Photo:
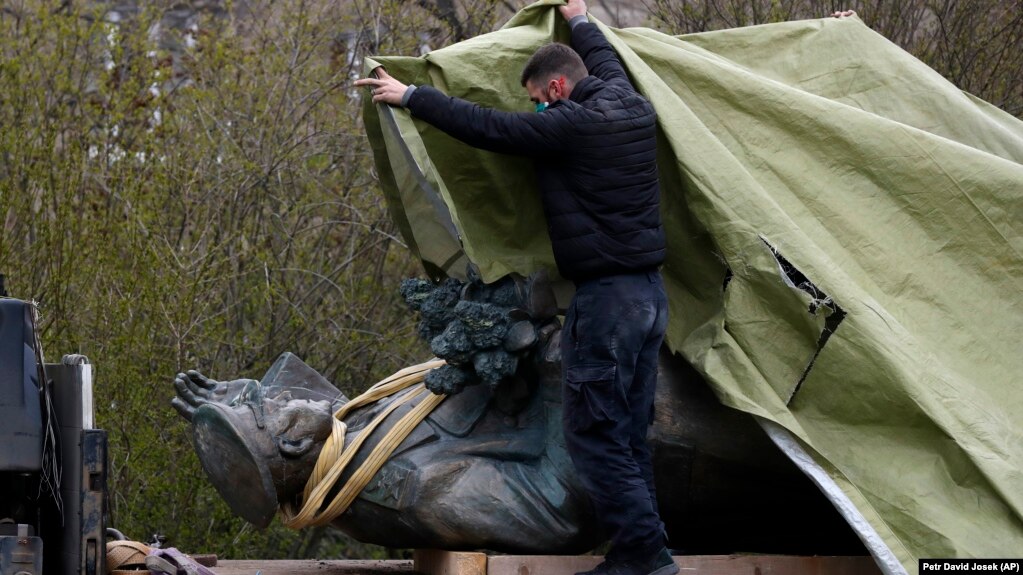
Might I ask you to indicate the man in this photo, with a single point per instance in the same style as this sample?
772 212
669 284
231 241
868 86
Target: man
594 147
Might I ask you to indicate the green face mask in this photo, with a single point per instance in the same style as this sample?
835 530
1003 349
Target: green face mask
541 106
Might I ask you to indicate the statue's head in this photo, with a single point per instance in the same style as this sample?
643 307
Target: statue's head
258 451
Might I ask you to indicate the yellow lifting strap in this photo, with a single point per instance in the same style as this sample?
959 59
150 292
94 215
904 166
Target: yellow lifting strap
336 456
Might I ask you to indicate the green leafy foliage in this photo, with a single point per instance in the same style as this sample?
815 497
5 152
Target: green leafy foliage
200 196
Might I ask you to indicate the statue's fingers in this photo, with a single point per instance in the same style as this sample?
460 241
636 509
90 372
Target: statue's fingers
196 387
182 408
183 392
187 393
201 380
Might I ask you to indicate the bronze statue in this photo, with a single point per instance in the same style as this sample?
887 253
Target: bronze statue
487 468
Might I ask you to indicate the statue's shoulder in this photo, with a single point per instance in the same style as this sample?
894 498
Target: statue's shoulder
459 413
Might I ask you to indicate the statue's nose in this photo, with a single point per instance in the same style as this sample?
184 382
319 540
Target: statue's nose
294 448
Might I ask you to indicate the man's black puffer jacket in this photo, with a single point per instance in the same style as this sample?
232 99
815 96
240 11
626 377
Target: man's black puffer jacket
595 160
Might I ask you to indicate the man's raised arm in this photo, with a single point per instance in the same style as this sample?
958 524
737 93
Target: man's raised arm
600 59
517 133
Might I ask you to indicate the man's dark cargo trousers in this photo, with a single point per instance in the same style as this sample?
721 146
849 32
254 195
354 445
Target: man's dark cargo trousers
609 345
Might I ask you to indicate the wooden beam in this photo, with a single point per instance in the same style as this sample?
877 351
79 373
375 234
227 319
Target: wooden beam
536 564
436 562
701 564
433 562
312 567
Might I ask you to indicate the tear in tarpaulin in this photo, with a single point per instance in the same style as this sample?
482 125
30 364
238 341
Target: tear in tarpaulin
820 302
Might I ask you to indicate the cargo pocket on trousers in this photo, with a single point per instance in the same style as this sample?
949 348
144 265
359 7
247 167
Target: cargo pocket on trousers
591 394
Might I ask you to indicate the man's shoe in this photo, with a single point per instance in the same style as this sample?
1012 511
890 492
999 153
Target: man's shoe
660 564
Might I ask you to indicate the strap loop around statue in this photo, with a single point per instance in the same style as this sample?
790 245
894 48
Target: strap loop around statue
335 456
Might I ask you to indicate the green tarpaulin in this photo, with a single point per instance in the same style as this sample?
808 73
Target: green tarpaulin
844 232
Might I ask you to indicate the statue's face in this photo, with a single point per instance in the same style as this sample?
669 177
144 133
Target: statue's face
298 426
276 440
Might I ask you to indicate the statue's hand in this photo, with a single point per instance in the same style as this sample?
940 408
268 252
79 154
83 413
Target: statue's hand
195 389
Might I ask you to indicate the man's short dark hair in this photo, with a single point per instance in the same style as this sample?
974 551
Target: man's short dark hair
551 61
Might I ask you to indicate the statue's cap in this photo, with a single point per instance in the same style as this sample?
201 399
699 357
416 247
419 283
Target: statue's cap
234 455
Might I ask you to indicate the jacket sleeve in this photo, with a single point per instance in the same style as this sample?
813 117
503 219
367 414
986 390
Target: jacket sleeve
518 133
600 59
